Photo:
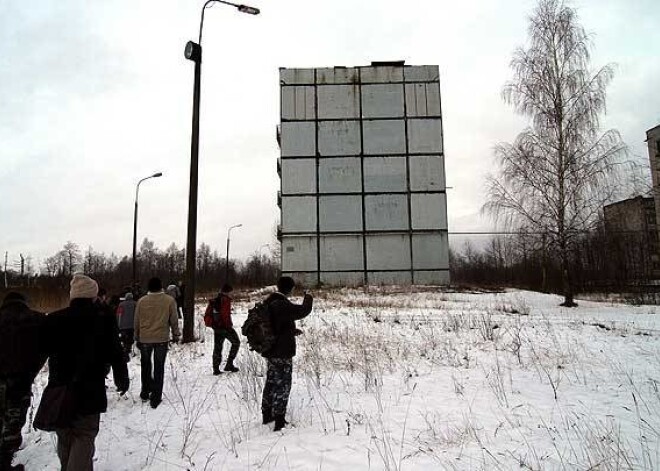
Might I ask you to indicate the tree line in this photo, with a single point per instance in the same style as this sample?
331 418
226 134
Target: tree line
114 273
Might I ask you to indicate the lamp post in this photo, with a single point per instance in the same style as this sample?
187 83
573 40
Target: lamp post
193 52
227 259
135 217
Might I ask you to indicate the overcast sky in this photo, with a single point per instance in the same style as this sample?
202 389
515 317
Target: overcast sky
96 95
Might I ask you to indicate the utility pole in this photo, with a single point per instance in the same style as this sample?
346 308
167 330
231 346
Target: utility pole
6 255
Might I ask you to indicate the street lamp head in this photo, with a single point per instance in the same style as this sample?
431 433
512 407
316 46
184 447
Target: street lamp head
249 10
193 51
156 175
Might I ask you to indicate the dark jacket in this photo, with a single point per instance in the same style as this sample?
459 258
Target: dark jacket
20 339
283 314
82 341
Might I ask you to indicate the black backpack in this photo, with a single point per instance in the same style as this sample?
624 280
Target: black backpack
258 328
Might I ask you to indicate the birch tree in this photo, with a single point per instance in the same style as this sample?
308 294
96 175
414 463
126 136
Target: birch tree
557 174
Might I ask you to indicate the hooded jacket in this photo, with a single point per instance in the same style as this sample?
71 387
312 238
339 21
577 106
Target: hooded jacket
81 341
283 316
21 338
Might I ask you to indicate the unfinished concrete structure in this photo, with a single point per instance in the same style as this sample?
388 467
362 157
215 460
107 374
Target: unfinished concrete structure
363 196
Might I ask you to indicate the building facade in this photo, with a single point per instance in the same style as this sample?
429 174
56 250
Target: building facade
363 195
653 142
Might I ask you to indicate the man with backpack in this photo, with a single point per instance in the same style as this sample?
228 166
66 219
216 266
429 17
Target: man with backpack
282 314
218 316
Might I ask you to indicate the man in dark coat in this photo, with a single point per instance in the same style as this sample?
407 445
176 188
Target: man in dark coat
125 321
20 361
283 314
82 340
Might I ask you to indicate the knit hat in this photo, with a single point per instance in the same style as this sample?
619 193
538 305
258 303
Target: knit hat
83 287
128 297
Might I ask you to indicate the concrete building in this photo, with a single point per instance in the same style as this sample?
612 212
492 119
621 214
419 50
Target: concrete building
363 195
653 142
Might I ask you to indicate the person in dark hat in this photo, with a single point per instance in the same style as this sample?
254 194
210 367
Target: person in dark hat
283 316
21 358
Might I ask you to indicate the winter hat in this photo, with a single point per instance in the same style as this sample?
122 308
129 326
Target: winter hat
285 284
128 297
83 287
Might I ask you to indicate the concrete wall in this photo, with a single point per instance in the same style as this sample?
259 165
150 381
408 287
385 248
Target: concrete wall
362 176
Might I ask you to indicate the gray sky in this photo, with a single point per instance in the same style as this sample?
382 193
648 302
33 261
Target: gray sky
96 95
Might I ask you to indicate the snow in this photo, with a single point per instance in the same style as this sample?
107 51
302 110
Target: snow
406 379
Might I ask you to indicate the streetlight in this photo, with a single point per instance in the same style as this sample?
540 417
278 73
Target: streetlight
193 52
227 259
135 215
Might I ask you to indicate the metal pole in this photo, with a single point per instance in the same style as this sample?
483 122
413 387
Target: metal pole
191 251
135 216
227 260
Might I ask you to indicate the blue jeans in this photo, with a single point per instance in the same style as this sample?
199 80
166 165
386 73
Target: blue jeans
152 385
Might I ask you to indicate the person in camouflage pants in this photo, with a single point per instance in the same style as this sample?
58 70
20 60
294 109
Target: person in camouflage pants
21 358
283 315
15 395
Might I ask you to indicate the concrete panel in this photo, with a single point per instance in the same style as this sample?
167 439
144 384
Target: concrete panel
429 211
388 252
433 278
339 101
298 214
421 73
386 212
384 137
385 174
340 213
296 76
342 253
337 75
303 280
299 254
422 99
424 135
298 139
298 176
427 173
342 278
340 175
430 251
298 103
339 138
390 278
382 101
381 74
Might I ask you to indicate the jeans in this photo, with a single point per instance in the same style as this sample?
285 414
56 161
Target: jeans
152 385
75 444
219 336
126 337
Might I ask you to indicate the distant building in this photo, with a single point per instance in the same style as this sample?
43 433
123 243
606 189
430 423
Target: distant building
363 195
653 141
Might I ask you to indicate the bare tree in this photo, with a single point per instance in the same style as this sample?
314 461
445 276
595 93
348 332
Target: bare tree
71 257
557 174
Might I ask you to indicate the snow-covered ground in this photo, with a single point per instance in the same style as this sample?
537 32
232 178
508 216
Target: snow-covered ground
407 380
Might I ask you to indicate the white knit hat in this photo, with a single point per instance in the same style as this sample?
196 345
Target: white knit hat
83 287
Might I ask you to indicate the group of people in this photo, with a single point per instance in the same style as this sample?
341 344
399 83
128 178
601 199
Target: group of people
86 340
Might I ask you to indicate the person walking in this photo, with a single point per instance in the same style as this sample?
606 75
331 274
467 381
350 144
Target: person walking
155 316
219 308
126 322
283 314
81 341
21 358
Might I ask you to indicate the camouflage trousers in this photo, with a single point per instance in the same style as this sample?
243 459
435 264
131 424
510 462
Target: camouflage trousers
278 386
15 395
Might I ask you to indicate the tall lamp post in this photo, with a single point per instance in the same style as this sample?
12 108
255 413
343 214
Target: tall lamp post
135 217
193 52
227 259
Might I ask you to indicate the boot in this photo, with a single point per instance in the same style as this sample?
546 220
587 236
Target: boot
216 371
279 423
231 368
268 417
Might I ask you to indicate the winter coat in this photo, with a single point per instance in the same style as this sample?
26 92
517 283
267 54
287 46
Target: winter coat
21 338
126 314
283 314
220 309
155 315
82 340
